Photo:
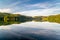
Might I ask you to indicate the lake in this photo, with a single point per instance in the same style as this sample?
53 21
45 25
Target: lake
30 31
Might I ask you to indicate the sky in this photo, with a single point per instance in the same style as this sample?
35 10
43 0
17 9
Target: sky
31 7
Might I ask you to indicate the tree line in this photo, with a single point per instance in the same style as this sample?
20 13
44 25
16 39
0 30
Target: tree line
17 17
9 18
50 18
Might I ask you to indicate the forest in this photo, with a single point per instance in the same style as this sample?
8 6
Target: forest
9 18
50 18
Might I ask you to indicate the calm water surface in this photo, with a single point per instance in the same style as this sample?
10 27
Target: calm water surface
30 31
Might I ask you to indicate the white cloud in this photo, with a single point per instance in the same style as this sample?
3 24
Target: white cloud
48 9
13 4
4 27
40 5
5 10
43 12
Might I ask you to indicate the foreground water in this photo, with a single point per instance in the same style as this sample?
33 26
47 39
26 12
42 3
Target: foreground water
30 31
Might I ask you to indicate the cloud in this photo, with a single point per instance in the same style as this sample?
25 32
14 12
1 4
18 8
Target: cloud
25 7
42 25
44 5
40 5
37 6
5 10
4 28
42 9
13 4
43 12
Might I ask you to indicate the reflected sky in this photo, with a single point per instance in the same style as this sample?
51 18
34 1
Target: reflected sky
31 31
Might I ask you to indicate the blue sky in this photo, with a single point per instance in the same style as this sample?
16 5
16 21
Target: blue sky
31 7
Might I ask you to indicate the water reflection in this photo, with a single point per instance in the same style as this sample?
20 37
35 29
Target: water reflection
9 22
30 31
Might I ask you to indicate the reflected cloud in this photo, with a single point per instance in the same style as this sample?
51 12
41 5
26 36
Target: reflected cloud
4 28
44 25
33 29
